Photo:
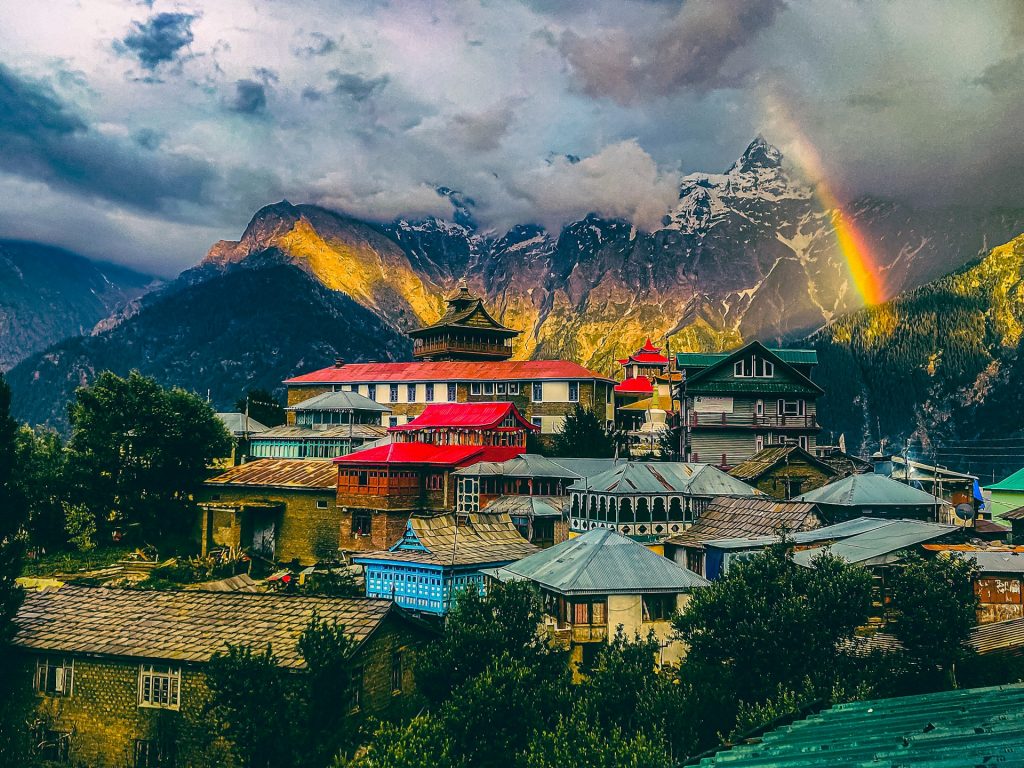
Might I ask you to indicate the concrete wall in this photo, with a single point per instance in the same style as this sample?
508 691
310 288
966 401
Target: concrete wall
627 610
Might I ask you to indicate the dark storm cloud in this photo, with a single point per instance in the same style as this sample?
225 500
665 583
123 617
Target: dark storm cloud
44 139
317 44
355 86
1006 76
249 98
690 51
158 39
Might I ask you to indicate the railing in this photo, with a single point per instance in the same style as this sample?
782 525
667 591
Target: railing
577 633
752 421
421 348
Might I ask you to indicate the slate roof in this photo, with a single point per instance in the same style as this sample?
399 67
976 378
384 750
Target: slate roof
727 517
466 310
465 416
529 506
486 539
869 490
602 562
235 423
494 370
300 474
428 454
339 401
186 626
964 727
1014 482
880 544
334 431
635 477
768 458
535 465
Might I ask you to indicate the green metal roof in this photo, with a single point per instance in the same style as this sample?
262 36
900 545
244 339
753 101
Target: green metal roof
966 727
660 477
1014 482
751 386
877 545
869 490
601 562
791 356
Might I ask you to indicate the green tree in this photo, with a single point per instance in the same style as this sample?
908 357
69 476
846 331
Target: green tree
576 742
424 742
326 689
263 407
583 435
41 460
934 609
138 452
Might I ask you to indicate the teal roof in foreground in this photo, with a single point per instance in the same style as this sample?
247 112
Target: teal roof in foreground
869 490
1014 482
601 562
972 727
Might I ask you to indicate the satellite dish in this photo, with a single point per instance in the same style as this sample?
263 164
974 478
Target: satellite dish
965 511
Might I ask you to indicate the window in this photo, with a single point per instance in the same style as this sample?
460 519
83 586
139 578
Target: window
55 676
159 686
435 481
452 393
321 503
428 392
500 389
754 367
759 408
393 394
410 393
804 442
538 392
363 477
151 754
791 407
590 613
488 387
574 391
658 607
371 391
361 523
392 421
51 745
396 672
474 388
538 422
513 388
355 693
759 443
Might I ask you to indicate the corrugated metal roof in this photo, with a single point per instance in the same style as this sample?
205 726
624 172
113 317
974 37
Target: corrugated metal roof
869 490
341 400
638 384
1014 482
535 465
181 625
361 431
730 518
635 477
602 562
791 356
464 416
998 637
236 423
964 727
497 370
835 532
874 546
415 453
1013 514
301 474
990 561
768 458
529 506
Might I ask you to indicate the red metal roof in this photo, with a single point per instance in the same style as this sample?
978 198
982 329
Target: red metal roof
639 384
648 347
427 454
464 416
648 357
500 370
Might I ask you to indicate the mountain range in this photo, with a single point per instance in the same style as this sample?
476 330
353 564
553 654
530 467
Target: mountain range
748 253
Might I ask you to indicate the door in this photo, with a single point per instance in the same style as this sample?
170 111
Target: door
263 527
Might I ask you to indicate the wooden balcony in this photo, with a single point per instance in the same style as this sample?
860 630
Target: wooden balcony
750 421
429 347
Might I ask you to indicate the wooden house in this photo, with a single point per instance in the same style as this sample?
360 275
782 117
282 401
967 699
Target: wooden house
597 582
466 331
784 471
738 403
439 555
119 674
541 520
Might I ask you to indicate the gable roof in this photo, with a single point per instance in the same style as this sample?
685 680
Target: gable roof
602 562
877 545
340 400
465 416
746 517
332 431
299 474
235 423
868 490
704 359
448 370
529 506
768 458
535 465
426 454
183 626
1014 482
701 381
466 310
827 533
665 477
481 538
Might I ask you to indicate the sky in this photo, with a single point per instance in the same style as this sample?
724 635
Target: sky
142 131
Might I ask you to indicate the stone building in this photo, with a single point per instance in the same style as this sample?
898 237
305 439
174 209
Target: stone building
119 674
784 471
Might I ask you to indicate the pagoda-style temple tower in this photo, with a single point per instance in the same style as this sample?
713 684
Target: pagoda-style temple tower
465 332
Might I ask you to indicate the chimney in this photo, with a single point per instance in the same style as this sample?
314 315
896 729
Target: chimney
882 464
339 362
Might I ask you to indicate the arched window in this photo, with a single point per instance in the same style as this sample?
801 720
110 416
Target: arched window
675 509
658 510
626 511
602 511
643 510
575 505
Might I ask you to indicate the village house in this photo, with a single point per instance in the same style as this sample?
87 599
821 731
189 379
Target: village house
874 495
242 429
595 583
324 426
784 471
1005 496
438 555
999 583
1015 517
119 674
649 501
379 489
541 520
738 403
282 510
464 357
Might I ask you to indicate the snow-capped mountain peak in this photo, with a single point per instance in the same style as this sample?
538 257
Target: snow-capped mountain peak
758 154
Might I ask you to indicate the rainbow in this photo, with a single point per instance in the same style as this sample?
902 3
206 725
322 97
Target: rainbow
860 261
